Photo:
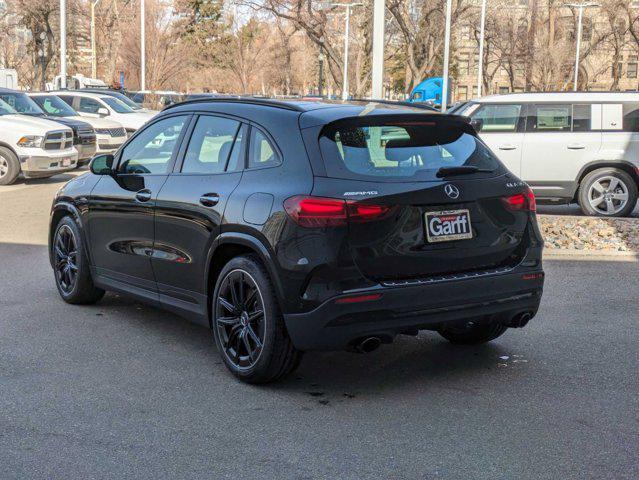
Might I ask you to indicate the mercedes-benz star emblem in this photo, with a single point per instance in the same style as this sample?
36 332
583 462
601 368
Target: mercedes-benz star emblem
451 190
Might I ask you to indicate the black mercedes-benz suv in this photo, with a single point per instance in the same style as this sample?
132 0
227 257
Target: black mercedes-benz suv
291 226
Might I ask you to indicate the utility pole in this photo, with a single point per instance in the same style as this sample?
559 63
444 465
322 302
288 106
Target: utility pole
94 55
378 49
348 7
445 86
63 43
581 7
482 33
142 47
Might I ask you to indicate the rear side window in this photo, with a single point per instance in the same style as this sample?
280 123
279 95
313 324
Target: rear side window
581 118
261 151
402 150
549 118
498 118
210 145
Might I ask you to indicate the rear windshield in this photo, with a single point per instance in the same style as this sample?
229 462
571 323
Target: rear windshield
401 150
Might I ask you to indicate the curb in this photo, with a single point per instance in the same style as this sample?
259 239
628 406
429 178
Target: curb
569 254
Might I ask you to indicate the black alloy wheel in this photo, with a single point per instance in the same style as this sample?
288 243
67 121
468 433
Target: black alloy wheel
240 319
65 254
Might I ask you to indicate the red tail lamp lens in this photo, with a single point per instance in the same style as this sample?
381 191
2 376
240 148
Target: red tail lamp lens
318 212
522 201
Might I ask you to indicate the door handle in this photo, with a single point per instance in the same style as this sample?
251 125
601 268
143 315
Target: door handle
209 199
576 146
143 195
507 147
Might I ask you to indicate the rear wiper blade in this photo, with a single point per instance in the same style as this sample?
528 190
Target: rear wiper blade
461 170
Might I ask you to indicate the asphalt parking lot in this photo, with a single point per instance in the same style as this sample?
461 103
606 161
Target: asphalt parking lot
122 390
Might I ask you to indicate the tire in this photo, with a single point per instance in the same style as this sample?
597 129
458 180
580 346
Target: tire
597 199
475 335
243 288
9 166
76 286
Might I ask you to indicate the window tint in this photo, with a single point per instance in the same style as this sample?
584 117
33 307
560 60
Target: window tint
414 150
262 153
631 117
549 118
581 118
21 103
151 150
498 118
54 106
210 145
67 99
117 105
89 105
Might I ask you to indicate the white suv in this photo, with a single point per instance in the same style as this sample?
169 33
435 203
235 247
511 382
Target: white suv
570 147
97 105
36 147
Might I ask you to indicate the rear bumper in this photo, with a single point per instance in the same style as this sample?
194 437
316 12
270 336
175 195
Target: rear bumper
498 297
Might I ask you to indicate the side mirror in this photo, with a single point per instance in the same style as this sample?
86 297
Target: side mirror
102 165
103 112
477 124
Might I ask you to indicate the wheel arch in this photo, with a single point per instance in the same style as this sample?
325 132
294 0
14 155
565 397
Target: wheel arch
624 165
59 211
9 147
232 244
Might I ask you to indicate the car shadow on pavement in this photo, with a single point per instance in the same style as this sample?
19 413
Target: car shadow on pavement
426 360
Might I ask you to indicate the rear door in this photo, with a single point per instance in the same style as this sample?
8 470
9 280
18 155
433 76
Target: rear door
503 131
560 140
190 209
405 221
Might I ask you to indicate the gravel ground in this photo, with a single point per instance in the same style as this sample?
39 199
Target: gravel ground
590 233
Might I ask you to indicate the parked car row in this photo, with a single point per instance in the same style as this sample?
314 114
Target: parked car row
43 134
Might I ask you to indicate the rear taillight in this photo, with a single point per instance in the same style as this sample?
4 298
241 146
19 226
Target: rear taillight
522 201
318 212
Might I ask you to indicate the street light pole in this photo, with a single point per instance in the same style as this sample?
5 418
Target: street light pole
142 47
445 85
63 43
378 49
482 32
581 7
348 7
94 55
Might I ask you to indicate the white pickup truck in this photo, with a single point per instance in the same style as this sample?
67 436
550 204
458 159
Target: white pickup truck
35 147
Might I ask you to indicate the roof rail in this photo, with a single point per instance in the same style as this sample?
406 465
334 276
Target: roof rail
421 106
268 102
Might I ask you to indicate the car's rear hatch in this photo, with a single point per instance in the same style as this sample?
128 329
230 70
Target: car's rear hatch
407 218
